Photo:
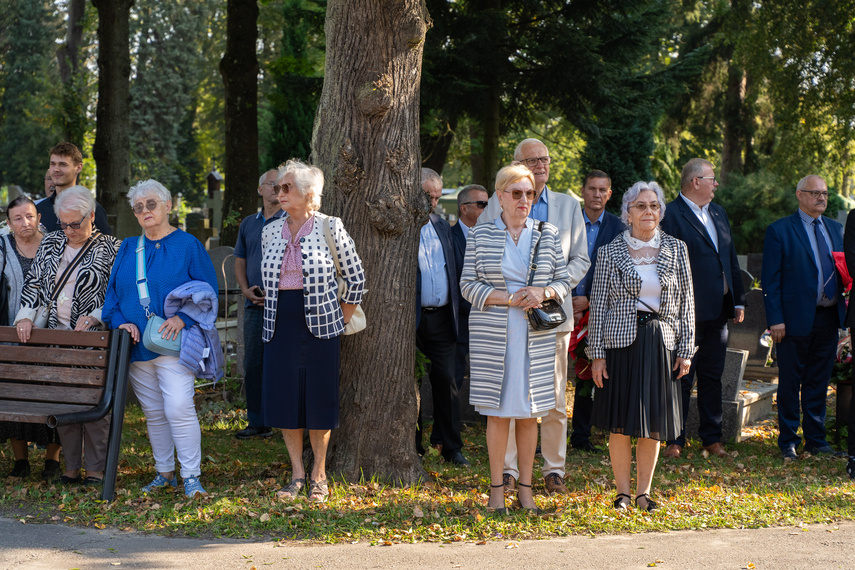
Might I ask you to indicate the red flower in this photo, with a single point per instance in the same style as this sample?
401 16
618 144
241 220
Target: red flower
840 262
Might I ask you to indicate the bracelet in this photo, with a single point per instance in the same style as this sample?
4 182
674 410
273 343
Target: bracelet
510 298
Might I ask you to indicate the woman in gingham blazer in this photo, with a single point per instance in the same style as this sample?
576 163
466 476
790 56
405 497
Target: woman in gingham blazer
303 321
641 331
512 371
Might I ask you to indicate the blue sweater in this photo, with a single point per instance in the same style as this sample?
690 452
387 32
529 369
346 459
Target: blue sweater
179 259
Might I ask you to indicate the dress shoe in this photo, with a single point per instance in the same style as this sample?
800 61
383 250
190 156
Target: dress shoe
254 431
587 446
822 450
554 484
510 483
789 454
457 458
716 449
673 451
52 470
850 467
21 469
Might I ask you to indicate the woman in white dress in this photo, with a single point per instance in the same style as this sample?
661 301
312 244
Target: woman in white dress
512 366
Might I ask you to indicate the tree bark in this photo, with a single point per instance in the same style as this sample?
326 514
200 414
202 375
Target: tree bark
73 82
366 141
239 68
111 150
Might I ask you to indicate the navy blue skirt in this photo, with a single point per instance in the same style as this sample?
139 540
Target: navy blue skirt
300 381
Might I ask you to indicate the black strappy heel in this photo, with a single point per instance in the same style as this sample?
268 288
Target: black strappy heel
651 504
619 504
532 510
497 510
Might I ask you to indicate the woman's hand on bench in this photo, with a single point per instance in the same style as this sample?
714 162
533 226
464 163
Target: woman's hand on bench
132 329
24 327
86 322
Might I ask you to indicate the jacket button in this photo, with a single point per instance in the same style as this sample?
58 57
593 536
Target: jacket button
302 239
305 256
305 274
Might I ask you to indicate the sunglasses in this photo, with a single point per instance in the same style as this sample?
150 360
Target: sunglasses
149 205
73 225
284 188
480 203
518 194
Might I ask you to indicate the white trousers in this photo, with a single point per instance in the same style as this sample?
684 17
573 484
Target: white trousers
165 390
553 426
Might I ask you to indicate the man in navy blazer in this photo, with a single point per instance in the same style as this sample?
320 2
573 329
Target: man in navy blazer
601 228
803 295
437 306
471 201
719 296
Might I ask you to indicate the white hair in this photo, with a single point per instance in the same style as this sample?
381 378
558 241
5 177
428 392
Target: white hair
518 150
263 176
75 199
308 181
431 175
803 182
631 196
147 188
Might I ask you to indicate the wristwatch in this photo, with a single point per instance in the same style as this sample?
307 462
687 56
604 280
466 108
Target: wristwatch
547 293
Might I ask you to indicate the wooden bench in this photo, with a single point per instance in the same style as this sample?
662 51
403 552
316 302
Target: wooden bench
65 377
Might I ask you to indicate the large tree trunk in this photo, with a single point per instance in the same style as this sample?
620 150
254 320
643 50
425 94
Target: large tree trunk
239 68
112 150
73 82
366 141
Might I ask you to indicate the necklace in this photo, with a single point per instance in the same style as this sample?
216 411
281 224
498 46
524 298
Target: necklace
516 238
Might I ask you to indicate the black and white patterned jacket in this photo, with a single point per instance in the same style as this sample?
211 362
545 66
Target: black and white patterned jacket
323 311
89 289
615 292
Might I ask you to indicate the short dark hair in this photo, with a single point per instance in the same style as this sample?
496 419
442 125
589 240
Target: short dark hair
67 149
596 174
463 195
21 200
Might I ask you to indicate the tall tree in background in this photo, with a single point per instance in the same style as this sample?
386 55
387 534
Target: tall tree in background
27 98
366 142
239 68
112 144
74 77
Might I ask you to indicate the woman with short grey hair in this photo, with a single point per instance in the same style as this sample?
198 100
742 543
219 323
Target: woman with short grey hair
68 279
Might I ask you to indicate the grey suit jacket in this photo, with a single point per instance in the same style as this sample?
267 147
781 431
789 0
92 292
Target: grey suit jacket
565 213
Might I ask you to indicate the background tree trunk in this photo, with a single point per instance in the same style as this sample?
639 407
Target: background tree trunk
112 147
73 82
366 140
239 68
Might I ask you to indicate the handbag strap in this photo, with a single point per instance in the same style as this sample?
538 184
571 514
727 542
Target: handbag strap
534 256
142 282
638 300
331 243
66 275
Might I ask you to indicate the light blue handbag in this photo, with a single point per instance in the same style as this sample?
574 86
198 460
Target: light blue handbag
152 339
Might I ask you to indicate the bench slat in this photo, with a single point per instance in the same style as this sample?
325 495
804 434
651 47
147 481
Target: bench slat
99 339
30 393
35 412
52 374
52 355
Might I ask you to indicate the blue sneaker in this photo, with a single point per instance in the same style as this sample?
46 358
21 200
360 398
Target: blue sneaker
160 481
193 487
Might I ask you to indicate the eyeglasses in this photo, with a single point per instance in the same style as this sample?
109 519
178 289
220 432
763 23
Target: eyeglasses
532 162
284 188
480 203
706 178
271 184
816 193
641 207
518 194
149 205
73 225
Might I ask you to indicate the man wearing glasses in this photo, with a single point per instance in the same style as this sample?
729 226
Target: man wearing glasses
471 201
803 296
66 162
719 296
564 212
248 275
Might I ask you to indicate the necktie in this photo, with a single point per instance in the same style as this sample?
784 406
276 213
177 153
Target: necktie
827 262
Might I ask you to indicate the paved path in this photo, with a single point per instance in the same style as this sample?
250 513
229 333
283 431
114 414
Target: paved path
37 546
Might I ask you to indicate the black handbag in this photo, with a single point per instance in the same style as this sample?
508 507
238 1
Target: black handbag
551 313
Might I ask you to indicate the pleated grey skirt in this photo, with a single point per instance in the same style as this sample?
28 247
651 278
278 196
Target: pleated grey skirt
641 397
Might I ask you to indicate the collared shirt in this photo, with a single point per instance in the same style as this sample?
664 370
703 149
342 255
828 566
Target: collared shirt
540 209
435 291
592 230
807 220
464 228
703 214
248 245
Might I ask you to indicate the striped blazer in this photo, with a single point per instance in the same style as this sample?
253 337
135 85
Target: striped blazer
488 324
615 293
320 290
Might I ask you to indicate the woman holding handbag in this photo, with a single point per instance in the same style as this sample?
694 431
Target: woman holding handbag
513 266
65 290
165 259
641 339
303 321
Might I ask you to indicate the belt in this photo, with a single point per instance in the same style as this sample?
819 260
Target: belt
432 309
643 316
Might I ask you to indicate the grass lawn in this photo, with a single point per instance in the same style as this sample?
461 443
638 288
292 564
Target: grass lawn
751 489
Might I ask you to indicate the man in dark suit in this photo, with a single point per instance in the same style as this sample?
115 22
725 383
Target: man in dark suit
719 296
601 228
849 252
471 201
437 305
803 295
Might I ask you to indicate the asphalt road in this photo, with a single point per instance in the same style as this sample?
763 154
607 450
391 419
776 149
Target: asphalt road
818 547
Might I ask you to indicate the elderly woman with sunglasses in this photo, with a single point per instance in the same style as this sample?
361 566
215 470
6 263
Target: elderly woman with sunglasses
641 338
512 367
68 279
163 384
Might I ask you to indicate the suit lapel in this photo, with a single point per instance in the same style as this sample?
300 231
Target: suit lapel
693 220
799 229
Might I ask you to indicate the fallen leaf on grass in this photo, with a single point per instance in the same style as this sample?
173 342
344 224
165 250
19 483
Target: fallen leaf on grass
512 545
418 513
264 517
481 543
